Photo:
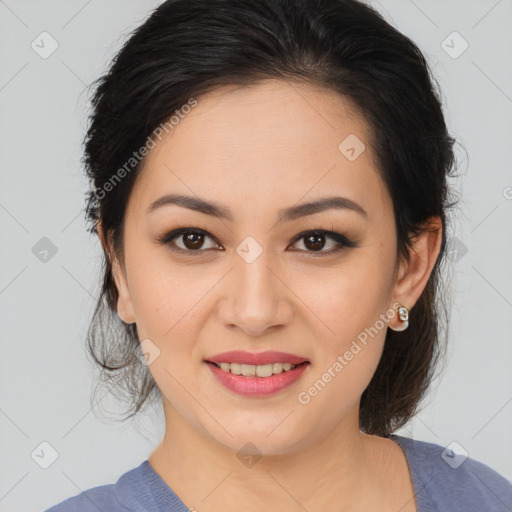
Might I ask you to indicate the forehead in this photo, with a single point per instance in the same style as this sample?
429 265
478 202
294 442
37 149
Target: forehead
269 144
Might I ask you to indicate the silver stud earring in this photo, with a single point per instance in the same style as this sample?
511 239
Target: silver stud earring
403 315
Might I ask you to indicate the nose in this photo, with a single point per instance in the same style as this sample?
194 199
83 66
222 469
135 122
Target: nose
256 297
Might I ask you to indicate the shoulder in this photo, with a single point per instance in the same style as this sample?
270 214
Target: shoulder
111 497
94 499
445 480
140 488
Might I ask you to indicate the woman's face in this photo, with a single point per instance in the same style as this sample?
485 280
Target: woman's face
251 283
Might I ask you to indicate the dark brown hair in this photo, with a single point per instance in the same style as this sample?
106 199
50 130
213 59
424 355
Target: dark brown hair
185 49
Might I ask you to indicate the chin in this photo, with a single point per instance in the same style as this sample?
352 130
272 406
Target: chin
259 440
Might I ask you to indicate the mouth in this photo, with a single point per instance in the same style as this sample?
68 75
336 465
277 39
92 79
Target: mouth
251 370
258 374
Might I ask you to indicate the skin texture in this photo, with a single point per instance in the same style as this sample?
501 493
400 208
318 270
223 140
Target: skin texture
256 150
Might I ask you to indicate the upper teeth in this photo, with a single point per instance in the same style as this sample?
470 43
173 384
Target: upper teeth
259 370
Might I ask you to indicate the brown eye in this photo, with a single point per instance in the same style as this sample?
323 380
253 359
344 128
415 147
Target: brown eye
316 241
188 240
192 240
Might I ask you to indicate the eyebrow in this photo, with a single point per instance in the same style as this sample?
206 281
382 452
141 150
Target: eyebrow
294 212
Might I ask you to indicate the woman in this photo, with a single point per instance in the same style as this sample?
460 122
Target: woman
269 185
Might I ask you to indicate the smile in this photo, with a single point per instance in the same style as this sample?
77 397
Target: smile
260 370
257 380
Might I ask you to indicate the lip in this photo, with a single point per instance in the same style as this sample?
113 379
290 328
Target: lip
256 358
257 386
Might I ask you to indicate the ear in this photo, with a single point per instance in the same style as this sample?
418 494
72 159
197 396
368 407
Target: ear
413 275
124 301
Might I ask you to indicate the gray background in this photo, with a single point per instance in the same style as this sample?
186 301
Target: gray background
46 305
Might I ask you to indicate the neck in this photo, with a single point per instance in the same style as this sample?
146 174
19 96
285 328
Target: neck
207 475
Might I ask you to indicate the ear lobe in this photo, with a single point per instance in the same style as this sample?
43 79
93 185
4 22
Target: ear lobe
124 302
414 274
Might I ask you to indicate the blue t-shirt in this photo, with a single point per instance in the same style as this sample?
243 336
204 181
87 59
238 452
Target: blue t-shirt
442 483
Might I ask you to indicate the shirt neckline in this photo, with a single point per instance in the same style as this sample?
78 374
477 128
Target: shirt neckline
423 503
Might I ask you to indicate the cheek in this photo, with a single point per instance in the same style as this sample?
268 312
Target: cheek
349 347
346 300
353 305
164 296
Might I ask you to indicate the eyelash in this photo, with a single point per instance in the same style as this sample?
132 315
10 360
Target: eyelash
342 241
